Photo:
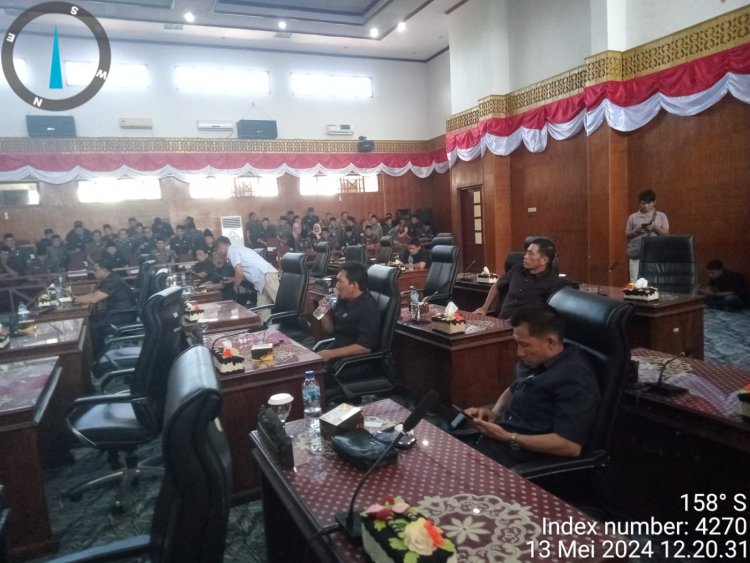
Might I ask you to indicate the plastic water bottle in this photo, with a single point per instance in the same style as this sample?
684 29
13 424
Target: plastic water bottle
411 262
333 297
311 403
414 296
23 311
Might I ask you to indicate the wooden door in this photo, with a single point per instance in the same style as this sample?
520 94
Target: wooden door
472 249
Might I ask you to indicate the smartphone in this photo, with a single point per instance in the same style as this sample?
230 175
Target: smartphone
460 419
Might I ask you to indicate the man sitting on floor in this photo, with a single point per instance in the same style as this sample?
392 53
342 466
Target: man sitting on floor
534 281
550 407
726 289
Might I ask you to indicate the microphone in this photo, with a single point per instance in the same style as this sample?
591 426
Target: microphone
666 389
466 270
349 521
613 265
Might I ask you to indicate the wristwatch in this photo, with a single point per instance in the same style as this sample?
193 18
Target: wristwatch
513 443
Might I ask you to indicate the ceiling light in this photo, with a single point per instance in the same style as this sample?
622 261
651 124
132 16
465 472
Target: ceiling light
374 32
189 17
401 26
282 24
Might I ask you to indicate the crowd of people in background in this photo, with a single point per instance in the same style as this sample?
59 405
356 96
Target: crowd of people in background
138 241
301 232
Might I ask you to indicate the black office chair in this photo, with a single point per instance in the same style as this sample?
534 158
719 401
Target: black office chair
512 259
122 349
4 517
443 239
355 253
599 326
373 373
286 313
189 523
438 287
320 263
385 252
121 422
668 263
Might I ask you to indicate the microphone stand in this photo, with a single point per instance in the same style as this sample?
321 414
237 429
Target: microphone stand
349 521
666 389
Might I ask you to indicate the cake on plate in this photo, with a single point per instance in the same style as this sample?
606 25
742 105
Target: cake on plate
394 532
193 312
640 291
449 324
228 360
485 276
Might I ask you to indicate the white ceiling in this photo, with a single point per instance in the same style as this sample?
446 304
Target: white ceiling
338 27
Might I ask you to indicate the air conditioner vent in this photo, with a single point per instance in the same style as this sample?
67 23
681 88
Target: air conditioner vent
231 227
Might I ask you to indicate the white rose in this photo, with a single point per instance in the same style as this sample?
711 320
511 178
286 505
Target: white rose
417 539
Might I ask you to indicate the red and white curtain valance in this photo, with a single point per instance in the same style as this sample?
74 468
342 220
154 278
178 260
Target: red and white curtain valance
686 89
60 168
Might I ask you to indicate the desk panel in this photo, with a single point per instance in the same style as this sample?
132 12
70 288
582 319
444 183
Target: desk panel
465 369
30 412
244 393
450 482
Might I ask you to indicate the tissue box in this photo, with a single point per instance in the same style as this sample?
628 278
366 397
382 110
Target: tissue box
442 323
343 418
262 353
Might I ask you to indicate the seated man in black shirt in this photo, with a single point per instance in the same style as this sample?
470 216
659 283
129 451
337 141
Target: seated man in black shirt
355 320
726 289
114 254
112 294
551 406
415 256
534 281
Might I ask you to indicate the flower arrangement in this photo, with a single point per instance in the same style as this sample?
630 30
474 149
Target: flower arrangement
413 533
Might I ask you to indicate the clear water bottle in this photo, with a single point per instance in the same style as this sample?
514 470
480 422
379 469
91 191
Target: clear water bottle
311 403
410 261
333 297
23 312
414 296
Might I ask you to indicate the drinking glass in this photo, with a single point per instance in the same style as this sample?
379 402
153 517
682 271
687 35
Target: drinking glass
281 403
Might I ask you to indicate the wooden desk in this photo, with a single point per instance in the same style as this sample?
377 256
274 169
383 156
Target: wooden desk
447 480
30 411
465 369
244 393
61 312
695 442
468 293
225 316
673 324
208 296
68 339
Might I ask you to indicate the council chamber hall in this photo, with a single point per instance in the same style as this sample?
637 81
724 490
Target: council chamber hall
374 280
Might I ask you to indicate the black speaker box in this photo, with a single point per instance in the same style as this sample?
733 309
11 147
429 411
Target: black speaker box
256 129
366 146
51 125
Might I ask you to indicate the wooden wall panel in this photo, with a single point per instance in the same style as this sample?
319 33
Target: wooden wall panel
700 169
555 183
60 207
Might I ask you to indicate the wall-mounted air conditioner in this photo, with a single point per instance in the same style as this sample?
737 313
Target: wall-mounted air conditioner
204 125
231 227
136 123
339 129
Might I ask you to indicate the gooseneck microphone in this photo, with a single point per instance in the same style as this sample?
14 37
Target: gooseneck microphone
349 521
667 389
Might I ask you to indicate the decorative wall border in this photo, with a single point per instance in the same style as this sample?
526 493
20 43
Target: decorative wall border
703 39
11 145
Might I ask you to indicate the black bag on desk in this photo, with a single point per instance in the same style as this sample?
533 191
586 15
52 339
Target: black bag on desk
361 449
274 437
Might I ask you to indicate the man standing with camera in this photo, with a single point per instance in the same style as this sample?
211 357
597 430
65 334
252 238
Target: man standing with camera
646 222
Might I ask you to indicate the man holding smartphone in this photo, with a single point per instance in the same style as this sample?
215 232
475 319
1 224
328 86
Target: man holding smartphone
550 407
646 222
